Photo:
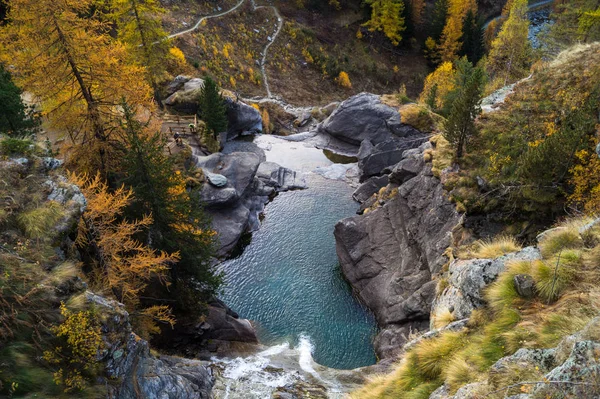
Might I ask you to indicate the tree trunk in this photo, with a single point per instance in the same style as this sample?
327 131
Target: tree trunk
155 89
93 112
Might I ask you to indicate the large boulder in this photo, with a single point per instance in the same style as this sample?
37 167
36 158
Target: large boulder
410 166
185 98
242 119
390 254
381 158
229 223
134 371
239 169
280 178
364 116
183 93
370 187
240 184
176 84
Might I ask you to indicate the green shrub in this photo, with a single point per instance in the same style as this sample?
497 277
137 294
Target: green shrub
14 146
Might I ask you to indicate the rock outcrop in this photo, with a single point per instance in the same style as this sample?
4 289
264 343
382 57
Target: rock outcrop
374 129
390 254
128 360
242 119
570 369
249 183
365 117
468 278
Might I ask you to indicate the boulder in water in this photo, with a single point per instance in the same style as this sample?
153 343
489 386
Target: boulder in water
278 177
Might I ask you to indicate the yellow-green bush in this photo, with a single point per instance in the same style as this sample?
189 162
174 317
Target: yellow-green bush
76 355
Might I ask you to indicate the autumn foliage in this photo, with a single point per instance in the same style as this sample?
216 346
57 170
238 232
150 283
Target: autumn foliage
69 61
120 262
386 17
450 42
77 353
344 80
437 85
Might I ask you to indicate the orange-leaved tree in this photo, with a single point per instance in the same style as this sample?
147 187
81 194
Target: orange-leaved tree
119 261
65 56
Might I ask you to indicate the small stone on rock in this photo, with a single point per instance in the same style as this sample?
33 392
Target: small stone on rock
216 179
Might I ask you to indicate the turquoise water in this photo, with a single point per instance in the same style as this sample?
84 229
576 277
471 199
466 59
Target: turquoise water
288 279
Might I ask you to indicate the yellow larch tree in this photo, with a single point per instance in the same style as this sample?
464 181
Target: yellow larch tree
511 52
386 17
66 58
437 85
450 44
140 29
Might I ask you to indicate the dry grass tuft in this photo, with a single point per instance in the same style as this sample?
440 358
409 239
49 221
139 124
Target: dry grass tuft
442 319
443 154
499 246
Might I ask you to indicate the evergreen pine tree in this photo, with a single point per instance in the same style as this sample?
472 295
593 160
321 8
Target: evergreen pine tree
431 97
472 38
212 108
15 118
463 105
438 20
179 224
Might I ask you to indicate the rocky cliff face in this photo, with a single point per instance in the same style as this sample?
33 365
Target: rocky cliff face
391 253
136 371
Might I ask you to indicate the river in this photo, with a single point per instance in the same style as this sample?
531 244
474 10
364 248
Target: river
287 280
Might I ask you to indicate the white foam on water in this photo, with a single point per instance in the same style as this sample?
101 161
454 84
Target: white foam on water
305 359
251 377
238 368
275 350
